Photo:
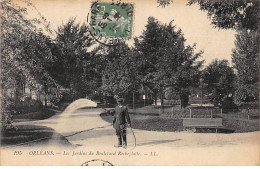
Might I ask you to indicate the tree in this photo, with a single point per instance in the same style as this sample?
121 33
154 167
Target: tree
242 16
246 61
24 50
218 79
228 14
165 60
120 71
25 53
146 48
72 61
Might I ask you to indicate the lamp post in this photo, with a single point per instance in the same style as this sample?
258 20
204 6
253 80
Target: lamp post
144 99
201 83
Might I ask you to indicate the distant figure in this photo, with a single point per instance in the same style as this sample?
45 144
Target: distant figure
121 118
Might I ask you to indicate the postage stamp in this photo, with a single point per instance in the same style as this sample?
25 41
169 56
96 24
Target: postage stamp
110 20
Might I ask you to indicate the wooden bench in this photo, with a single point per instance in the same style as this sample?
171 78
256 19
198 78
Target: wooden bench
203 123
253 115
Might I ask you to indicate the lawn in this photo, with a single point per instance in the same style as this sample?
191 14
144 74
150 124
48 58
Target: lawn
151 118
149 122
41 114
28 133
239 122
20 134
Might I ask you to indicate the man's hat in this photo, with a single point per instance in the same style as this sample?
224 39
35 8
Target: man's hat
120 100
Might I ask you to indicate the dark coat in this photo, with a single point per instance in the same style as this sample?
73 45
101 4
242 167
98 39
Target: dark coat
121 117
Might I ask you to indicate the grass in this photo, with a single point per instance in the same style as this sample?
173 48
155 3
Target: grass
28 133
42 114
149 118
177 112
239 122
149 122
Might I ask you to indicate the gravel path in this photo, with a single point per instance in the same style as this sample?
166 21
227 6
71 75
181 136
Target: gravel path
172 148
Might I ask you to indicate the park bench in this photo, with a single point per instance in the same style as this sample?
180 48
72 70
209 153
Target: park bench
253 114
203 123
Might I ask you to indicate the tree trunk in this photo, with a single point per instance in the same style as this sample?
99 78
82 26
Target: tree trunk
133 100
105 99
162 103
184 98
125 99
155 98
46 93
180 99
45 100
30 93
181 102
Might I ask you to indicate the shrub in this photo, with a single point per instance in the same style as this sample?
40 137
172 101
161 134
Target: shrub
26 106
66 96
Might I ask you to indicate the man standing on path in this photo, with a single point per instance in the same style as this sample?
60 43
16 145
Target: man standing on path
121 118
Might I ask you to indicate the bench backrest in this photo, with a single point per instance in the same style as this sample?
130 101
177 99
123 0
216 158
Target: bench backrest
196 122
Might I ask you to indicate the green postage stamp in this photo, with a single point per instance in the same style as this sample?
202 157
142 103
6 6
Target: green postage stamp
111 20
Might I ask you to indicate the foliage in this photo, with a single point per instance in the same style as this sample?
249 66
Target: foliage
21 44
165 61
218 79
25 106
25 52
228 14
72 63
232 14
164 3
24 47
159 60
243 16
246 61
120 72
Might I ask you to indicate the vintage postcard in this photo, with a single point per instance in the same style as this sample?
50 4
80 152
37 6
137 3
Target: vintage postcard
130 83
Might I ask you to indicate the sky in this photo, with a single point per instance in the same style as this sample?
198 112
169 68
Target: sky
195 25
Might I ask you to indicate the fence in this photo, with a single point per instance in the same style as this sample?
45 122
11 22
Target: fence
244 113
194 113
204 112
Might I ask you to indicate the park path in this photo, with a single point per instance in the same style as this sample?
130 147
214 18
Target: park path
181 145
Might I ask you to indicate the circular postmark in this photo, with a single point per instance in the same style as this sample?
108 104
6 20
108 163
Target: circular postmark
111 22
97 162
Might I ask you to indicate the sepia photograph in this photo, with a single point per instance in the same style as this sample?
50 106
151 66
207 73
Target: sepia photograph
130 83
